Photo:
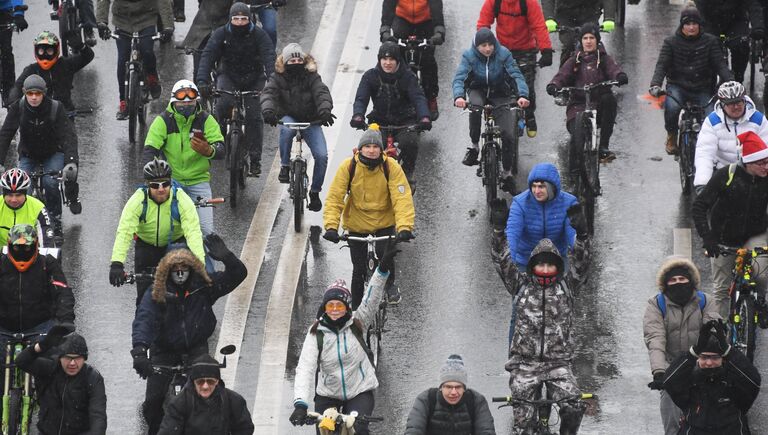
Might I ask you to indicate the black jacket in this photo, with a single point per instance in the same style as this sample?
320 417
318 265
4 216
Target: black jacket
397 97
41 133
691 63
715 403
736 211
224 413
30 298
69 405
58 79
301 96
246 59
719 15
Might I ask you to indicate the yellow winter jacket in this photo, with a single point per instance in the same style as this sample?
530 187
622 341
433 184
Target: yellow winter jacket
373 203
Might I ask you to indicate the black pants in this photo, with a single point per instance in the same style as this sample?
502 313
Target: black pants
157 384
606 118
409 149
503 119
147 49
7 64
363 403
358 251
87 17
526 61
254 124
402 29
737 33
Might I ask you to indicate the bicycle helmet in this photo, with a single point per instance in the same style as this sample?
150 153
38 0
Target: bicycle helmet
14 180
184 90
157 169
22 246
47 49
731 92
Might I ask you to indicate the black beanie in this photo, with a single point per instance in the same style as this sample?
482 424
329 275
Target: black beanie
590 28
389 49
484 35
690 14
239 9
205 366
677 271
338 291
74 344
713 346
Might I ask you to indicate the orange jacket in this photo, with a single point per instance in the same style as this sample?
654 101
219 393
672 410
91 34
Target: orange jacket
514 31
413 11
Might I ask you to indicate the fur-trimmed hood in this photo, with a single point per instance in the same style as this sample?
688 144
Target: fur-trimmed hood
677 261
309 64
176 256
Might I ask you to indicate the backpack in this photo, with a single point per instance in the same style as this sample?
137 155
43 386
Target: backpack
662 303
353 165
469 399
523 9
175 214
356 331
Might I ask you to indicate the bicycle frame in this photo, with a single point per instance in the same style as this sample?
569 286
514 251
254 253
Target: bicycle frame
742 317
542 408
18 380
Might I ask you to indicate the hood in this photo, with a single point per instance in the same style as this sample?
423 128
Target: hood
545 172
309 64
750 110
176 256
677 261
546 247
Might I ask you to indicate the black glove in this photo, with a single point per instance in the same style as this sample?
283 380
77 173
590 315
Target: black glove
216 247
622 78
104 32
21 23
385 34
331 235
405 236
704 334
299 415
327 117
658 381
205 90
656 91
278 3
757 33
711 247
721 334
578 221
55 336
270 117
425 124
141 362
387 260
437 39
546 57
357 122
499 213
552 89
116 274
166 35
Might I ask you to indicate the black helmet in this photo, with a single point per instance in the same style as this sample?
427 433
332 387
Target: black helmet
157 169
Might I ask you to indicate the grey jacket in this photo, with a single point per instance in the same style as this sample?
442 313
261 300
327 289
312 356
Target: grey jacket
133 16
453 417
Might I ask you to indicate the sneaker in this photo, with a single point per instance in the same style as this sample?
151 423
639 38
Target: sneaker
122 112
90 38
314 201
179 16
76 207
508 184
434 113
254 169
671 145
530 126
393 295
153 83
470 158
606 155
58 233
284 174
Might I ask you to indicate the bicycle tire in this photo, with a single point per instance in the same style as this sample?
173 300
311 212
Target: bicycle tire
299 192
514 143
134 94
687 149
14 411
64 30
490 171
746 326
589 167
621 12
233 146
73 18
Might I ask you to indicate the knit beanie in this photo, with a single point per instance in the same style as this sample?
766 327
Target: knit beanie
371 136
690 14
677 271
293 51
592 28
453 371
239 9
338 291
484 35
35 83
205 366
389 49
74 344
713 346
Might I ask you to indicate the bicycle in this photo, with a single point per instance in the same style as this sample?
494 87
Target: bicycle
68 16
392 147
540 424
756 56
332 422
234 141
298 187
690 120
37 189
584 155
412 50
19 398
136 92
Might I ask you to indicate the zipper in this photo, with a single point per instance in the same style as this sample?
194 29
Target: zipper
20 305
341 368
184 323
157 225
543 322
544 219
487 78
61 422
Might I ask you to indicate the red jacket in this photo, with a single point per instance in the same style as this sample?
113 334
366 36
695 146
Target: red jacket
514 31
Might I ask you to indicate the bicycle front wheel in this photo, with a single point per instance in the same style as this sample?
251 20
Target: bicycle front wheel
589 167
299 191
64 30
514 143
235 164
687 148
134 95
490 171
14 411
745 323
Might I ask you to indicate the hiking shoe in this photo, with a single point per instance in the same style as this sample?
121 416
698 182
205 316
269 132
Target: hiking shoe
434 113
254 169
606 155
671 145
122 111
508 184
393 295
314 201
530 126
179 16
470 158
153 83
284 175
76 207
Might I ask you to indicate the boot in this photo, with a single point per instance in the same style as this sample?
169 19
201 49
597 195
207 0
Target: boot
254 169
606 155
153 83
671 145
284 175
762 312
530 126
470 158
314 201
434 113
122 111
393 295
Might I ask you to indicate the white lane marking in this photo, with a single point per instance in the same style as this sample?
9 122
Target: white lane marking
682 242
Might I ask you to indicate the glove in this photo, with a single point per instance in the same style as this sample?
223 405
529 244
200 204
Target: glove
216 247
55 336
141 362
546 57
278 3
205 90
551 25
551 89
405 236
270 117
439 37
21 22
70 172
166 35
499 214
104 32
327 117
385 34
357 122
721 334
425 124
116 274
299 414
704 333
331 235
658 380
656 91
387 260
757 33
578 221
711 247
608 26
622 78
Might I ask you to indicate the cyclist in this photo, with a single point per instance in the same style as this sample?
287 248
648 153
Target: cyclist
70 392
206 407
731 19
591 64
717 144
87 21
338 325
158 216
730 211
424 19
18 208
520 28
714 385
296 93
189 138
9 16
175 319
690 60
487 69
246 57
452 408
135 16
397 100
57 71
671 324
47 140
574 14
372 195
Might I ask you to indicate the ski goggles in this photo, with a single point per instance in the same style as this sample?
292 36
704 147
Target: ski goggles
185 93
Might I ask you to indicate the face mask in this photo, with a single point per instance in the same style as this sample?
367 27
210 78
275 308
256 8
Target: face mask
186 111
179 276
240 30
370 163
294 68
679 293
713 374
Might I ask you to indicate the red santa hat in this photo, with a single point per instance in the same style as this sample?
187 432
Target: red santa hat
752 147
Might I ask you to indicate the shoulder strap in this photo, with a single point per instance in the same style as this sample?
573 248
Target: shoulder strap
431 403
170 123
175 214
662 303
731 173
199 122
144 205
319 338
385 167
470 401
702 299
523 9
497 8
352 166
358 333
54 110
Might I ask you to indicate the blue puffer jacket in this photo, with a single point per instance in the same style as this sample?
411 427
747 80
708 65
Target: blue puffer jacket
494 74
8 5
530 221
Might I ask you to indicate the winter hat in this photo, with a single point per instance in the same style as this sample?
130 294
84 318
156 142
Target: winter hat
590 28
74 344
205 366
752 147
239 9
338 291
484 35
453 371
293 51
389 49
690 14
713 346
371 136
678 271
35 83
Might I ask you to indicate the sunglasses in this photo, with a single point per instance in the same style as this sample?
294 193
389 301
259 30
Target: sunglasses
710 357
210 381
335 306
240 18
185 93
158 184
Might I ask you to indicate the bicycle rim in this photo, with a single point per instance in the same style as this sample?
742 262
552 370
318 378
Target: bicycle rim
514 143
490 171
233 140
299 193
133 105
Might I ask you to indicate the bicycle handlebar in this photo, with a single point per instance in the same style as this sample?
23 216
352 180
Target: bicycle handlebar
189 50
688 103
236 94
117 34
414 43
757 251
511 400
314 418
41 174
577 29
131 277
300 125
370 238
587 88
20 336
480 107
208 202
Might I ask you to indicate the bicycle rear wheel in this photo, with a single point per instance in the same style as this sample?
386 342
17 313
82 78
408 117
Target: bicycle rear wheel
134 95
514 143
235 163
687 148
745 323
299 191
64 30
490 171
589 167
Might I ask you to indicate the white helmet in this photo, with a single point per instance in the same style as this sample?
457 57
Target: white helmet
731 92
184 90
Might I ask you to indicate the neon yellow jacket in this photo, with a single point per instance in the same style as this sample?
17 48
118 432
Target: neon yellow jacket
33 212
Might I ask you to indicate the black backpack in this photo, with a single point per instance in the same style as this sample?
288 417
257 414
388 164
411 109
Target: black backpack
523 9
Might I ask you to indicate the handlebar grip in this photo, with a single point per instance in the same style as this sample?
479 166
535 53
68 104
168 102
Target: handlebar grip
501 399
216 201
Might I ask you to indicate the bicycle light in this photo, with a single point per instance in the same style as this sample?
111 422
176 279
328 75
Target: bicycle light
696 127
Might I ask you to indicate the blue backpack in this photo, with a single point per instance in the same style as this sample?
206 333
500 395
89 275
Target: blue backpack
662 303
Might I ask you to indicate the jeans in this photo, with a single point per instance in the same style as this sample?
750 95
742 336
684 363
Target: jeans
205 213
363 403
52 195
358 251
315 140
672 108
147 50
268 18
254 124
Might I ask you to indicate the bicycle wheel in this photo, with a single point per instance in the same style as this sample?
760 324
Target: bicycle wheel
514 143
299 191
233 147
687 148
745 323
134 95
490 171
621 12
64 30
589 167
373 337
14 411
